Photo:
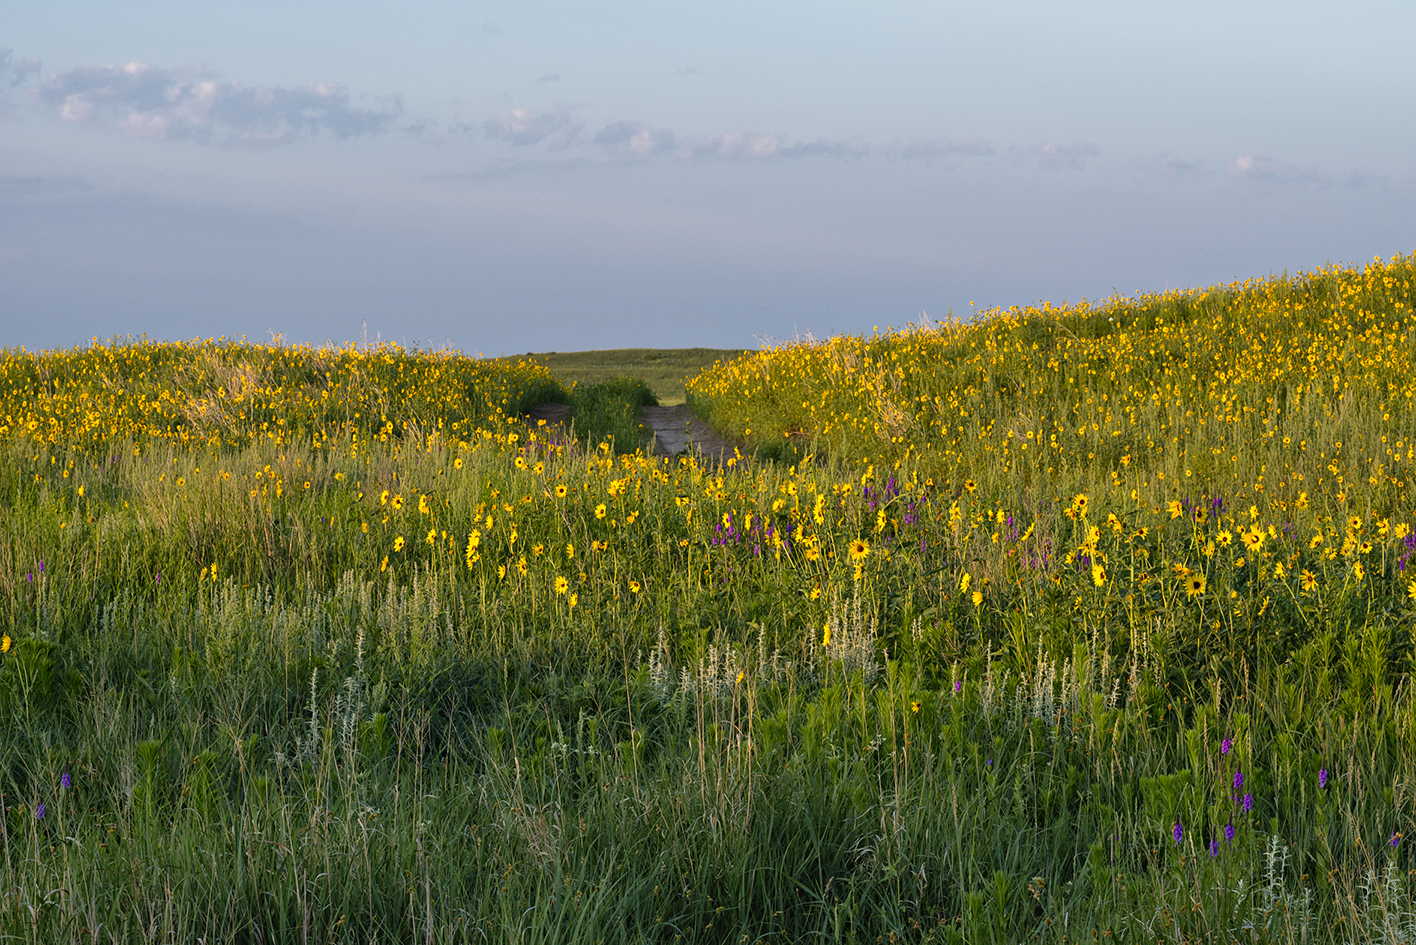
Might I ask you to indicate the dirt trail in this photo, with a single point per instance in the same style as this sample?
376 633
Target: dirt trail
673 430
678 429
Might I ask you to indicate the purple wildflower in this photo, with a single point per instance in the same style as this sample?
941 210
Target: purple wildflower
1238 780
1248 803
1322 778
1396 840
64 781
1228 832
1214 848
1178 832
39 811
1224 746
41 567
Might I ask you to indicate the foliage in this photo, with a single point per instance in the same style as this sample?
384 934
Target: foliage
464 680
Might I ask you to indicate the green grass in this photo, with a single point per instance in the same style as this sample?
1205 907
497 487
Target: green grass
332 688
663 369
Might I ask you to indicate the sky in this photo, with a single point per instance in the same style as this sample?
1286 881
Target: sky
506 177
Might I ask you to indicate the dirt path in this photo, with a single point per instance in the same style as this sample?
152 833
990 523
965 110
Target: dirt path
674 430
678 429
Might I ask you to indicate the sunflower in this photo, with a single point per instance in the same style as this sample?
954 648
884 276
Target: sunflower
1195 584
397 502
1254 539
562 585
560 490
1080 503
970 485
398 543
1310 582
914 707
600 510
977 598
1098 575
859 549
1355 523
634 587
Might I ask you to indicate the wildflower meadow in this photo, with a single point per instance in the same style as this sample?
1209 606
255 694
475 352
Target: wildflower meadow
1089 623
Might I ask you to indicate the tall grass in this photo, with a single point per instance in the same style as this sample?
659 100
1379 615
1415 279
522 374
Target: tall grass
475 683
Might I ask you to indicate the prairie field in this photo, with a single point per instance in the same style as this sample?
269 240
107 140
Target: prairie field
1087 623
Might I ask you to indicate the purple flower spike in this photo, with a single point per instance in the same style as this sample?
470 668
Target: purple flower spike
1248 803
1178 832
41 567
958 686
1214 849
1224 746
64 781
39 811
1228 832
1322 778
159 577
1238 780
1395 840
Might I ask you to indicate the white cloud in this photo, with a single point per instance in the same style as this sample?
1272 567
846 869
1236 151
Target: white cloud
145 101
635 139
1052 156
1261 169
523 126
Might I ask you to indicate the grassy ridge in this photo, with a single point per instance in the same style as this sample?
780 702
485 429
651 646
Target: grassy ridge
474 684
1246 388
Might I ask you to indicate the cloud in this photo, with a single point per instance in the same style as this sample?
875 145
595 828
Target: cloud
935 148
1360 181
848 148
523 126
145 101
733 146
635 139
1055 157
549 77
1164 166
1260 169
16 72
13 74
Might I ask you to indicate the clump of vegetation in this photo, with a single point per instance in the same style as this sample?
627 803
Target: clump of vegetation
609 412
1138 668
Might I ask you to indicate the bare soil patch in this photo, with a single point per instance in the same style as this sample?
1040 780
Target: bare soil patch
677 430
